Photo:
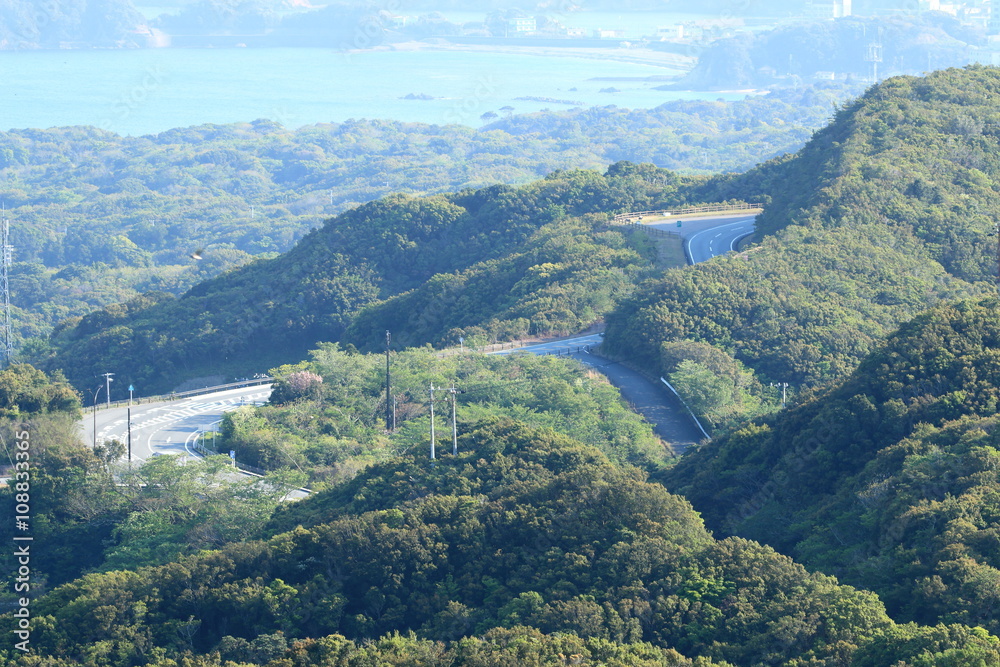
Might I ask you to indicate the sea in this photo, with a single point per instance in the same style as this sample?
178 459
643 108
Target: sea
147 91
139 92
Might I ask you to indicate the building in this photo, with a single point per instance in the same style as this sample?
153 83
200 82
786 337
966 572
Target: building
601 33
988 55
833 9
993 20
397 21
670 33
521 24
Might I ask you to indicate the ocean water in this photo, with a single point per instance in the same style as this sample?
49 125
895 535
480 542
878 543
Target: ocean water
136 92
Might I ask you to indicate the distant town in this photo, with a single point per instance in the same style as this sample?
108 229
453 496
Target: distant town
346 28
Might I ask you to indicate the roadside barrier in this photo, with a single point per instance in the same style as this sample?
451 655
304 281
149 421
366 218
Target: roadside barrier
636 217
178 395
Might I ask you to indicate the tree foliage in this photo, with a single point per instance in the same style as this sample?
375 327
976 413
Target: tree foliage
884 212
524 537
98 219
273 310
338 426
887 479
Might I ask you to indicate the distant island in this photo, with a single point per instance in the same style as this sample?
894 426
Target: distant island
417 96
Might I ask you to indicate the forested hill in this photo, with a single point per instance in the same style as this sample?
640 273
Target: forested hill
918 155
528 548
30 24
98 219
883 213
888 480
273 311
789 53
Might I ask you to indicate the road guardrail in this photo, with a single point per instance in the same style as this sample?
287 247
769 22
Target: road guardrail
178 395
635 217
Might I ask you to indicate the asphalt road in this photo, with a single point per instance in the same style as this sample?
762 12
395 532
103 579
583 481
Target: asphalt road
704 238
168 427
560 347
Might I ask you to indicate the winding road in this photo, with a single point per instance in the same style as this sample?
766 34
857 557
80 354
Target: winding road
704 238
170 427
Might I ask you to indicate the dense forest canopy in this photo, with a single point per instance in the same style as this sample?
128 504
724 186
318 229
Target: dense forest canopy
272 311
98 219
553 536
525 534
884 212
887 479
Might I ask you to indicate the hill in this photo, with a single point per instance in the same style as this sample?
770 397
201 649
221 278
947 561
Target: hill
272 311
792 53
883 213
70 24
526 536
887 479
98 219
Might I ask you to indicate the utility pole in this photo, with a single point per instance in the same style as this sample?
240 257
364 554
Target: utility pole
874 55
129 417
8 257
784 386
107 377
389 421
95 416
454 423
432 422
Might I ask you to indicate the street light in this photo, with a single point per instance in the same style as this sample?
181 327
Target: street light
107 377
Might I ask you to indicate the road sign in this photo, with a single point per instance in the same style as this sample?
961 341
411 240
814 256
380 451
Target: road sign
232 453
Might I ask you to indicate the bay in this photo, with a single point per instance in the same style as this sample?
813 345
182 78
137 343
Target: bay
136 92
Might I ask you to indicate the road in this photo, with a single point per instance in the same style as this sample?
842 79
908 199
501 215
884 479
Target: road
168 427
560 347
705 238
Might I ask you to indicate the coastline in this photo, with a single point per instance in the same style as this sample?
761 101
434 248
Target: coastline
679 65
